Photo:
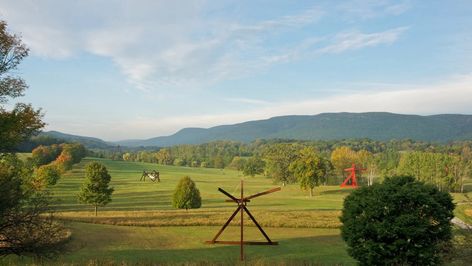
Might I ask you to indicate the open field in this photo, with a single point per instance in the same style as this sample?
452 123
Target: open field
306 228
149 203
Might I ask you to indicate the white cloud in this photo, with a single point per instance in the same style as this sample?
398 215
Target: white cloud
162 45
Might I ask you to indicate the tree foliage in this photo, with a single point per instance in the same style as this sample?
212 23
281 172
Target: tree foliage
27 226
186 195
279 157
399 222
343 157
46 175
253 166
22 121
95 190
42 155
445 171
310 169
381 158
237 163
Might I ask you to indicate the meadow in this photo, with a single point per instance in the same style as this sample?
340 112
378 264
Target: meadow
140 226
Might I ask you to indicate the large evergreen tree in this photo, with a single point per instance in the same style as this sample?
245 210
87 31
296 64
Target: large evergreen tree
186 195
95 189
399 222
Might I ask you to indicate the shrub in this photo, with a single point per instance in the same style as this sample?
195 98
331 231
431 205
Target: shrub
186 195
399 222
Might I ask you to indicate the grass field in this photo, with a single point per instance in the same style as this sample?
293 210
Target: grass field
155 233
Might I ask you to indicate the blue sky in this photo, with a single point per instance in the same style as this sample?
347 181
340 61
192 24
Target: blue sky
140 69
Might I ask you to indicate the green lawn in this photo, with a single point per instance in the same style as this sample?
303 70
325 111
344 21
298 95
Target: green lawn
132 194
155 233
104 244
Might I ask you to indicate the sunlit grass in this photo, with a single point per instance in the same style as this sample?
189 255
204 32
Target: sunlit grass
126 245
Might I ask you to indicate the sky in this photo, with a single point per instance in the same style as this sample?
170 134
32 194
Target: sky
140 69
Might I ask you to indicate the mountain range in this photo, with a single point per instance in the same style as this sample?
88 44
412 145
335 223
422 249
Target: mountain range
326 126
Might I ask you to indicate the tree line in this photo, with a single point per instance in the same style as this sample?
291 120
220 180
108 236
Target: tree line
444 165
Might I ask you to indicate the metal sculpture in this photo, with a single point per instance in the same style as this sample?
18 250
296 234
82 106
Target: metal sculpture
153 175
242 202
352 176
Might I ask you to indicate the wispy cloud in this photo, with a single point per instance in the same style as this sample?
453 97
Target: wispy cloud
247 101
369 9
358 40
162 45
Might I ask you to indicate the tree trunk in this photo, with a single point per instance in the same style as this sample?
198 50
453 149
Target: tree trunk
95 210
311 192
462 184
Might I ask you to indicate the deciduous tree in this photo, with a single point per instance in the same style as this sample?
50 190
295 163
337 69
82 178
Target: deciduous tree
279 157
310 169
253 166
22 121
46 175
27 226
342 158
95 189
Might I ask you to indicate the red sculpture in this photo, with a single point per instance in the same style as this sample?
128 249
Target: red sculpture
352 176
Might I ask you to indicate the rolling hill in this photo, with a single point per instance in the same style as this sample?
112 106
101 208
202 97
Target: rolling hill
89 142
326 126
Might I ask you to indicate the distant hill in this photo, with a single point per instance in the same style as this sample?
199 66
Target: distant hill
88 142
326 126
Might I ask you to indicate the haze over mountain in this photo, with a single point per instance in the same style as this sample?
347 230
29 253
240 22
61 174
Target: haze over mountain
89 142
326 126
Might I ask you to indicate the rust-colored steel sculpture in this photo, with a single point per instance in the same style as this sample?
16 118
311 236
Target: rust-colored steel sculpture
352 176
242 202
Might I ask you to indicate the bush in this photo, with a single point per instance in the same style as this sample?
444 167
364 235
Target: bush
186 195
179 162
399 222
